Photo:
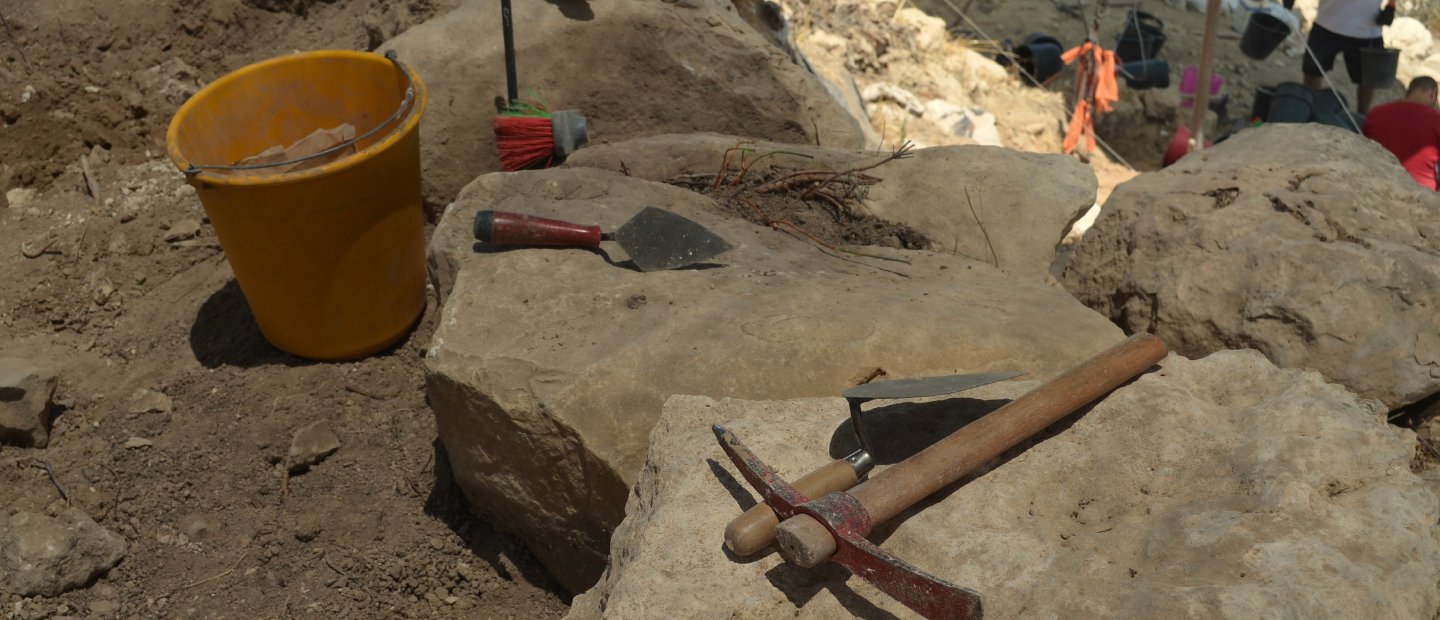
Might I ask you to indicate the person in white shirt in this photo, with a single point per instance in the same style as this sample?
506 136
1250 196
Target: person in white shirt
1346 27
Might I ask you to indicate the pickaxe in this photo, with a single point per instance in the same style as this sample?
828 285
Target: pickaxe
834 527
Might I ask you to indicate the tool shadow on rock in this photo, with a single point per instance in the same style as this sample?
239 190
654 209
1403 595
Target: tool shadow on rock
900 430
501 552
492 248
882 531
578 10
799 585
745 499
739 491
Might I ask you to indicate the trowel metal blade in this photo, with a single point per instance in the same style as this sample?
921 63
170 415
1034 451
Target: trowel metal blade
926 386
657 239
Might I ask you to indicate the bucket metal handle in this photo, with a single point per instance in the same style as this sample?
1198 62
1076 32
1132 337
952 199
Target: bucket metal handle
195 169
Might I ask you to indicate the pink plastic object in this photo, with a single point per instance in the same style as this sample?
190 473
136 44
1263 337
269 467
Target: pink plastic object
1189 77
1179 147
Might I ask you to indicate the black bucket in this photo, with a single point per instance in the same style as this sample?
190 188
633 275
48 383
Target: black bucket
1332 109
1040 55
1260 108
1142 38
1262 35
1292 103
1378 66
1143 74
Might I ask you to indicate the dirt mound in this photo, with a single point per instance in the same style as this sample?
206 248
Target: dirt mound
173 416
75 78
827 208
173 421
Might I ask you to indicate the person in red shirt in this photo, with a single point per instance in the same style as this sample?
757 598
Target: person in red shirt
1410 128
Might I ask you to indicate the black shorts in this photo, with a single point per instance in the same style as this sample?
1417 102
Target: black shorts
1326 45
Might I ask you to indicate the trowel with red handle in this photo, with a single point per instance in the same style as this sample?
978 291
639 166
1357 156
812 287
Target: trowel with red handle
655 239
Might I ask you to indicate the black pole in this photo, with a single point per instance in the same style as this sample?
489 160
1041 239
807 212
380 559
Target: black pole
512 89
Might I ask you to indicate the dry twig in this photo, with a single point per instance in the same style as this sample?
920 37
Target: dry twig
725 161
91 185
790 226
981 224
208 579
55 480
745 166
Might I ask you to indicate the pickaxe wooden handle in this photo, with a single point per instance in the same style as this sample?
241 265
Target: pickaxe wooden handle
814 531
754 529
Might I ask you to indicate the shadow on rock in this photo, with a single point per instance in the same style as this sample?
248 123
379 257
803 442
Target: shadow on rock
800 585
578 10
898 430
501 551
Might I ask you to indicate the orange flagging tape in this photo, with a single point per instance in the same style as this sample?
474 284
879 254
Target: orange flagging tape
1097 68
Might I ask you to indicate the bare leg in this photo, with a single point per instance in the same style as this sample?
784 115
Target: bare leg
1364 95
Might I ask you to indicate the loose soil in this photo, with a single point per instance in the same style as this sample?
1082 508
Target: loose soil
74 76
842 219
127 290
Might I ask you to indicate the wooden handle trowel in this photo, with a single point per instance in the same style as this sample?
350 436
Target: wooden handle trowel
655 239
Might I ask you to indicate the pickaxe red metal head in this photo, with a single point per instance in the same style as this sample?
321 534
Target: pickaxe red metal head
848 521
834 527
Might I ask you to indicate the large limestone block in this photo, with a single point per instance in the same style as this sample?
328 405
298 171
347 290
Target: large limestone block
550 366
1218 488
632 67
1023 203
1306 242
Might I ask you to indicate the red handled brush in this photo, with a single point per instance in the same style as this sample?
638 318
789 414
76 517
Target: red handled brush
529 135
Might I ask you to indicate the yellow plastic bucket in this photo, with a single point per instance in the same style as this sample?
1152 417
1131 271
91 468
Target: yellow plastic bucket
331 259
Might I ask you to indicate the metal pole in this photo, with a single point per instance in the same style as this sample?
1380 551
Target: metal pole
1202 82
508 27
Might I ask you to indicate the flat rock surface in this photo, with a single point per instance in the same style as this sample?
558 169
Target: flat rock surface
1217 488
549 366
994 205
1308 243
679 66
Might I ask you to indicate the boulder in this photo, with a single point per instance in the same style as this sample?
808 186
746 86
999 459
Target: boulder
687 66
1306 242
1218 488
1410 36
25 393
1023 202
549 366
45 556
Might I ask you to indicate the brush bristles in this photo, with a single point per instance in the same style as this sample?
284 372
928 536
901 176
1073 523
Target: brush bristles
524 141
